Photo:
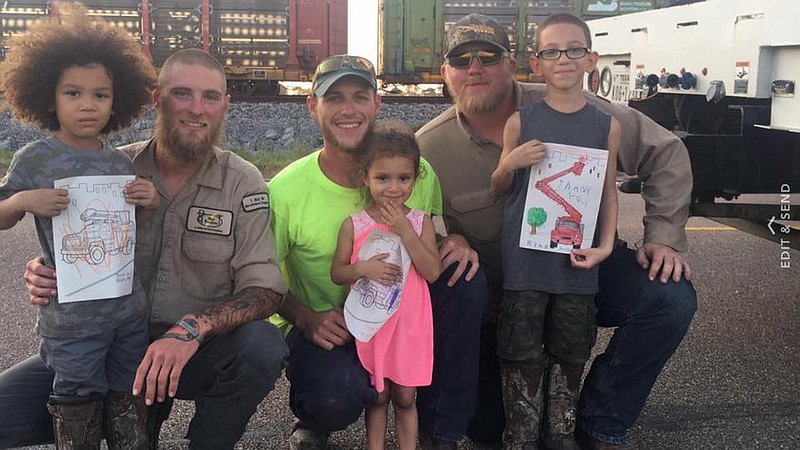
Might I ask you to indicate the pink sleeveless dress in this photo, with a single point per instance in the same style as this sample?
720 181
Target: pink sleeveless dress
402 350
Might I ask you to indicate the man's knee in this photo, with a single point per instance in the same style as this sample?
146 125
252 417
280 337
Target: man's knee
262 353
681 299
332 405
468 298
329 389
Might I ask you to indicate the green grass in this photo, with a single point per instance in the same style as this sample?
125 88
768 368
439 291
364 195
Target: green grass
271 163
5 161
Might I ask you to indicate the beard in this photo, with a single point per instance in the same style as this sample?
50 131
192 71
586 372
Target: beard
183 148
353 148
475 104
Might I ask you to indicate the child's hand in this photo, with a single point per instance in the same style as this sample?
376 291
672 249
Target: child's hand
377 270
393 216
44 202
585 259
142 192
526 154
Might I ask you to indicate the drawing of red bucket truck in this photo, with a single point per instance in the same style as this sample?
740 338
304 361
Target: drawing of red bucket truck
568 229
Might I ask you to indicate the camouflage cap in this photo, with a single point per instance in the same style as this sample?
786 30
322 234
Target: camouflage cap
476 28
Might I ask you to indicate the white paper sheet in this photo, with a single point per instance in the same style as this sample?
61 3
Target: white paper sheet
94 239
370 304
561 211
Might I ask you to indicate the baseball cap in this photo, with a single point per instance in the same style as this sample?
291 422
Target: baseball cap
476 28
334 68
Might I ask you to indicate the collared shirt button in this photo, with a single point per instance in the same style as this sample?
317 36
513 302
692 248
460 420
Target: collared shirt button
162 278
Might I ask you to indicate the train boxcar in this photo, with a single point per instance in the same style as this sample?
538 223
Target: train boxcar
258 42
411 31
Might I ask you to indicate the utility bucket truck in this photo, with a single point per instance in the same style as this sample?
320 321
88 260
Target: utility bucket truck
722 74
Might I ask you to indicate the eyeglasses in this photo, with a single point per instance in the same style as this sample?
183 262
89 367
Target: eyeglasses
485 58
338 62
552 54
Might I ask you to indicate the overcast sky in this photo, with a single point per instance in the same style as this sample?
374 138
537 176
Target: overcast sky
362 28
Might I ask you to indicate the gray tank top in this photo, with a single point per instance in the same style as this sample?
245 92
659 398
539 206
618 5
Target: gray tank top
526 269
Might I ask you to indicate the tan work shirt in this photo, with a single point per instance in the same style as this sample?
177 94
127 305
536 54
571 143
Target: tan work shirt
210 241
464 163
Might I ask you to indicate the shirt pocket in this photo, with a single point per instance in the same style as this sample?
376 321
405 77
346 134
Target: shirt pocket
477 215
206 273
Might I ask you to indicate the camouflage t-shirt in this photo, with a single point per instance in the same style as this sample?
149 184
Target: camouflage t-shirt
37 166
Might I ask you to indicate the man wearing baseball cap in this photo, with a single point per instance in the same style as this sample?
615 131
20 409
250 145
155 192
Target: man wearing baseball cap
644 292
333 69
310 199
475 29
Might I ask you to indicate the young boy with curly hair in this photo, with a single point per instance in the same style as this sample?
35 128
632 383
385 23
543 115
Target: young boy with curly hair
81 79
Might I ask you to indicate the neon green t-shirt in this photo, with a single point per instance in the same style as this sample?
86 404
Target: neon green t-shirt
307 211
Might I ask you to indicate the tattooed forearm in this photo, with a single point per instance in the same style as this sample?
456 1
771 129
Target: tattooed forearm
250 304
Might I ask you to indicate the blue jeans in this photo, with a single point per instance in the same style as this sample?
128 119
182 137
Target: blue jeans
330 389
227 378
446 407
651 320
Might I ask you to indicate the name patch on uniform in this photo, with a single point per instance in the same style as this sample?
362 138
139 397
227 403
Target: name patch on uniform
208 220
255 201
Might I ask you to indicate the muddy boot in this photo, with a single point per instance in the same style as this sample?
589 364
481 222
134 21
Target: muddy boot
563 387
522 396
125 421
77 421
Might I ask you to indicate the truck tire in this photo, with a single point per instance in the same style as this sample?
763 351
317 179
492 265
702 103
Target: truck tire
127 248
97 253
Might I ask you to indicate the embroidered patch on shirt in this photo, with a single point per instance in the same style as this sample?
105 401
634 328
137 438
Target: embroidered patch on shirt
255 201
208 220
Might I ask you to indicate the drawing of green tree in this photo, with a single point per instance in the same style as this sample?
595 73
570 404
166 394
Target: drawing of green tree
536 217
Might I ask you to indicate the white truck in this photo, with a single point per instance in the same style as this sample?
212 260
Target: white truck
722 75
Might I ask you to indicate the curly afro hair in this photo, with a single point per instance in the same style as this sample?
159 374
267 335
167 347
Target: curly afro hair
37 58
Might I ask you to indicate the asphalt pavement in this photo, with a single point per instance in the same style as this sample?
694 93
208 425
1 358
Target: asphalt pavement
733 384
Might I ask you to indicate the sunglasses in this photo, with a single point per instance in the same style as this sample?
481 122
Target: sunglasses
338 62
484 57
552 54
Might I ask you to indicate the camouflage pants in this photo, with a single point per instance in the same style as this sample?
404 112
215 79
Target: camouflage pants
532 321
543 342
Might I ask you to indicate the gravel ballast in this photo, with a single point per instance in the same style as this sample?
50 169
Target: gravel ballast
257 127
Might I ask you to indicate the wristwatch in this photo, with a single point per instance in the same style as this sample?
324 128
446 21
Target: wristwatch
194 333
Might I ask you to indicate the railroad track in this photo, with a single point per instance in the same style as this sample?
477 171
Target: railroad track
302 99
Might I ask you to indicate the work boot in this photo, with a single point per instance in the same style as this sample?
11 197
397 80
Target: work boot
125 421
77 422
522 396
563 387
588 442
303 438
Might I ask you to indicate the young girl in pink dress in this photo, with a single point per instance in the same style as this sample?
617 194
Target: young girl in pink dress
399 356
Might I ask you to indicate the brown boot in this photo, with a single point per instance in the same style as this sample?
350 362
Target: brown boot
522 397
125 421
77 422
563 387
